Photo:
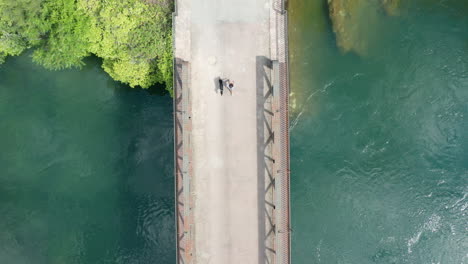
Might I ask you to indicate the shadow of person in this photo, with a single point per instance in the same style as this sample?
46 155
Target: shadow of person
216 84
219 85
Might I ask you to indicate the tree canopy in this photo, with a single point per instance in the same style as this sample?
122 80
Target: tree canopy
133 37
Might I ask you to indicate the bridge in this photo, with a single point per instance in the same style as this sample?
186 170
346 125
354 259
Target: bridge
231 150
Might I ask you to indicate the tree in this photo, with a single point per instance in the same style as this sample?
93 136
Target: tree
65 44
18 28
132 36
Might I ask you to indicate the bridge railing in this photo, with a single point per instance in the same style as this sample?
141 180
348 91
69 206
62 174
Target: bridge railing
280 6
182 155
182 163
282 166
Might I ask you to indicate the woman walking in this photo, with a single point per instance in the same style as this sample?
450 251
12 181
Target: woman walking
230 85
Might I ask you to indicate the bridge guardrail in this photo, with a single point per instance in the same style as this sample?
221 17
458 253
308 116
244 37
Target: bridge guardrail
282 179
182 163
182 155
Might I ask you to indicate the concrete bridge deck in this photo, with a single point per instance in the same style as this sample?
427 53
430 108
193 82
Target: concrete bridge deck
232 151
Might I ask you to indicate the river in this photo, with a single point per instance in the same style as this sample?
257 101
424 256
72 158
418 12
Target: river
379 141
86 168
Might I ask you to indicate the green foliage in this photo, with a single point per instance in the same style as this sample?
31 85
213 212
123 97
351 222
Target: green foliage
132 36
143 74
19 25
65 44
12 44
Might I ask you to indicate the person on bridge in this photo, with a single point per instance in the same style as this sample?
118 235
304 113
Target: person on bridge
230 85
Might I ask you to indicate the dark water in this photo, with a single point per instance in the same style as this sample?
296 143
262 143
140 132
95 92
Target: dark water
380 142
85 169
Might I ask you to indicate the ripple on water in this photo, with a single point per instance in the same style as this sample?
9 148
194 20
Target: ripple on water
92 185
379 144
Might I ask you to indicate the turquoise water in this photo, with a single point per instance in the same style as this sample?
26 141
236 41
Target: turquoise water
379 142
86 169
379 151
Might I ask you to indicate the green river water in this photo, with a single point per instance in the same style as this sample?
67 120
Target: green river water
379 142
85 169
379 151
